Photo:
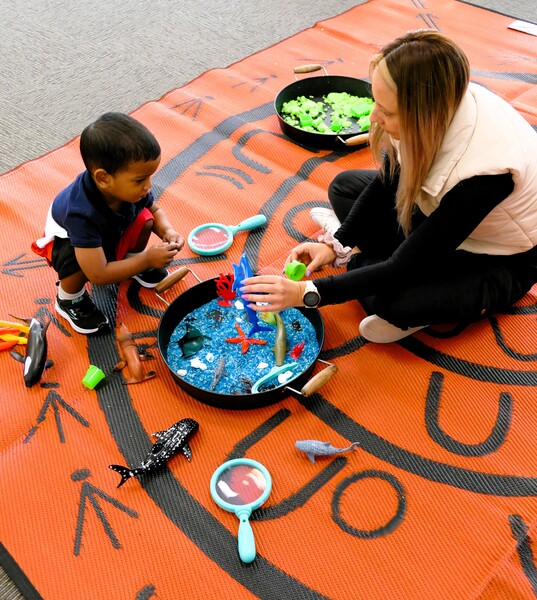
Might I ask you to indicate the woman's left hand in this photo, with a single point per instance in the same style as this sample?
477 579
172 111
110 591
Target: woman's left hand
277 292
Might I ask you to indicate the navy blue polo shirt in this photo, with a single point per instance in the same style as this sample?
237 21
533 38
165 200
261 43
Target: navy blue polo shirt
90 223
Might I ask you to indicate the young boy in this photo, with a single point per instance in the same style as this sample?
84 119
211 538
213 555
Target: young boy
98 227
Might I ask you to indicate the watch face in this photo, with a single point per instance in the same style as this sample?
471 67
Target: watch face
311 299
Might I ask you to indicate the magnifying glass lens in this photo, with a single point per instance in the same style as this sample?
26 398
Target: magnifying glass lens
240 485
210 238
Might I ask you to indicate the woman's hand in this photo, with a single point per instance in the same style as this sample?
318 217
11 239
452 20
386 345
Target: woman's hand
313 255
277 292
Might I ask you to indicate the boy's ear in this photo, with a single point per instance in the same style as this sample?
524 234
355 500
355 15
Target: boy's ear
101 178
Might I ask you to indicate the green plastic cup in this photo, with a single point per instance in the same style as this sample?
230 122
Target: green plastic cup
295 270
93 376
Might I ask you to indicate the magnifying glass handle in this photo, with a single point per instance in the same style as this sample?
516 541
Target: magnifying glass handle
246 539
250 223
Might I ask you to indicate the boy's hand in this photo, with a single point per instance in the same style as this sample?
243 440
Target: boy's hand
174 237
161 255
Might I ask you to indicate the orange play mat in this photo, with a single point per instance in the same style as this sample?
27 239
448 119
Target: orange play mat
439 500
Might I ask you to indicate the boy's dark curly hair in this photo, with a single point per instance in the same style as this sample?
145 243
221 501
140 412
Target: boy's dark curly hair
116 140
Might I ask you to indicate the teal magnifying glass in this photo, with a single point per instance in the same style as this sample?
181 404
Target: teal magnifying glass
213 238
240 486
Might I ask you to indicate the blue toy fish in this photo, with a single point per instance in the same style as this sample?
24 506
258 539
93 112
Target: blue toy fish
169 441
242 271
315 448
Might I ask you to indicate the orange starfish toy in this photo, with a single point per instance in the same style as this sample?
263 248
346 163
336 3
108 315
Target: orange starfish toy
243 340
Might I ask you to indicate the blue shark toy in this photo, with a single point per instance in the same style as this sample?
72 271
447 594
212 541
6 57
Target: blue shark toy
240 272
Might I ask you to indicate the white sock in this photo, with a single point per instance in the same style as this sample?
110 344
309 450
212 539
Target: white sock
63 295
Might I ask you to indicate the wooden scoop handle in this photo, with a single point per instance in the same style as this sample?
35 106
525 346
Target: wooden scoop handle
317 381
307 68
361 138
171 279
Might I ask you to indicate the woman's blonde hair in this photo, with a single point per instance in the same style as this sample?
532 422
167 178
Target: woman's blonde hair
429 74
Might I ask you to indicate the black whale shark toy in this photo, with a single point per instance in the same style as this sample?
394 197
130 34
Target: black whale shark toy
170 441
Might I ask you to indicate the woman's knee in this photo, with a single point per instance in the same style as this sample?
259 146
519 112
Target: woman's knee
345 189
345 184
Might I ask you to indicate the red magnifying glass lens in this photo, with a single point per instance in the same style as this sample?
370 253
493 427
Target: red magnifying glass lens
210 238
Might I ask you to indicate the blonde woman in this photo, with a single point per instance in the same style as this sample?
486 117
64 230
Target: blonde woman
446 230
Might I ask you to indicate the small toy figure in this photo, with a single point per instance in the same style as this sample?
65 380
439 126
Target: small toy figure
20 327
244 341
192 341
216 316
7 344
283 371
35 360
268 317
225 290
11 334
297 350
132 357
296 326
315 448
169 442
218 372
280 343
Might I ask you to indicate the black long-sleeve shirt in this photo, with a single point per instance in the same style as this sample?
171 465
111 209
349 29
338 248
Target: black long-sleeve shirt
372 226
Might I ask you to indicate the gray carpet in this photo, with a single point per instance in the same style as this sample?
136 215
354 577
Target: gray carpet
64 63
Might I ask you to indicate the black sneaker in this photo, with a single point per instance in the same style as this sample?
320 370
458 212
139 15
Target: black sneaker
83 315
150 278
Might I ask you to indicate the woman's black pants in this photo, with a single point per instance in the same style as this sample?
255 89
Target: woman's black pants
464 287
